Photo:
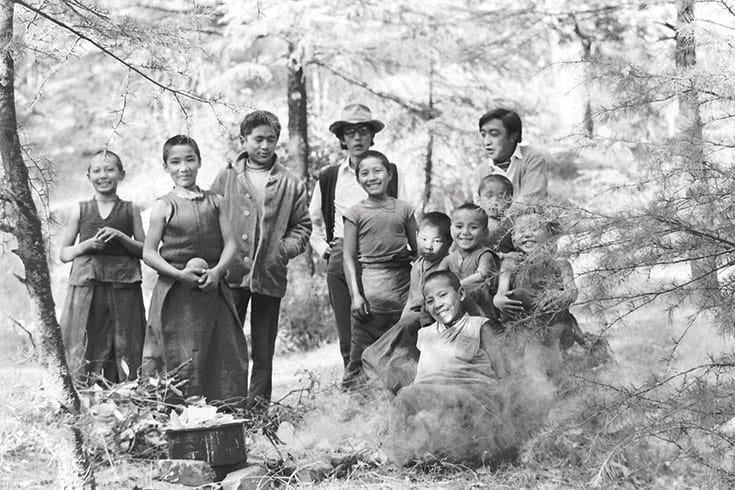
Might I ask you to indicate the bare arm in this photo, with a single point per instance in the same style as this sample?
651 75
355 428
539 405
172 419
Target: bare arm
150 247
69 251
501 300
485 268
359 308
318 238
411 229
211 277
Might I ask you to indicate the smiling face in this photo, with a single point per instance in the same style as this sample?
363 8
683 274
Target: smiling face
260 145
499 145
468 228
431 243
373 176
442 300
530 233
357 138
182 164
494 199
104 173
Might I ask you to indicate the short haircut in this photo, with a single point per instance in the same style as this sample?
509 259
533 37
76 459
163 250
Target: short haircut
445 275
510 119
496 179
438 220
340 134
108 154
471 206
259 118
374 154
180 139
551 222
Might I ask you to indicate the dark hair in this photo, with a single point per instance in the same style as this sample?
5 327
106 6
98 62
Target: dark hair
446 275
438 220
374 154
510 119
340 134
259 118
108 154
497 179
471 206
180 139
551 222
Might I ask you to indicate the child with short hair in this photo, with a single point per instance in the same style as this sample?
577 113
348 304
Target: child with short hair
456 408
391 360
192 318
536 289
472 261
103 320
378 233
266 205
495 196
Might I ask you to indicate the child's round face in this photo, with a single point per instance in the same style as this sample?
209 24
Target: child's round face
431 243
183 165
104 174
260 145
468 230
494 200
373 176
530 233
442 301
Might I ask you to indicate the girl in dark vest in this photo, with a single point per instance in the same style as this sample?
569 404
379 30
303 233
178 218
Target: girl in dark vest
192 318
103 321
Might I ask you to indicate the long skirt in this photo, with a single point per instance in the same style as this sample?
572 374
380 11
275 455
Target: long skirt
199 330
102 327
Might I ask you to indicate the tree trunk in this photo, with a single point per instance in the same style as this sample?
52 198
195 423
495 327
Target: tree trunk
691 142
586 40
298 137
428 170
27 230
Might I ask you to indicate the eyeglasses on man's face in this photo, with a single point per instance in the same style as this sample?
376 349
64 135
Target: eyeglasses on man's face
362 130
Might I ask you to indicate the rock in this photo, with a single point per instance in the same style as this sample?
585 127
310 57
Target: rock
253 477
185 472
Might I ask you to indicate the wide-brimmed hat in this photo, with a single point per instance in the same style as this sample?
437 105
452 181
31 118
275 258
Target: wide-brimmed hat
356 114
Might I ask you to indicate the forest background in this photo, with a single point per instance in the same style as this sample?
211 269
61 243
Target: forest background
634 100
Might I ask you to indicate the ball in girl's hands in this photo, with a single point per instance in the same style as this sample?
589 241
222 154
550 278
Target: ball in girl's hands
197 263
524 296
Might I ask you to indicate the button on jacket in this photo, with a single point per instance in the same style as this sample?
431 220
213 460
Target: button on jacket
283 232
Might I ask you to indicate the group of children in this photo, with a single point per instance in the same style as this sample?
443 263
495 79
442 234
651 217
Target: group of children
216 251
490 269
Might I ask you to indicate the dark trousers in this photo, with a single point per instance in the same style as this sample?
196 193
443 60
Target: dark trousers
339 298
263 333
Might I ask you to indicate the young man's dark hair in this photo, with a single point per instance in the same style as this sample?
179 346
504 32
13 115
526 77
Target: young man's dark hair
259 118
510 119
444 275
471 206
499 179
180 139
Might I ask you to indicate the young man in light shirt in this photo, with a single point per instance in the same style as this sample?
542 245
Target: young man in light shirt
336 192
525 166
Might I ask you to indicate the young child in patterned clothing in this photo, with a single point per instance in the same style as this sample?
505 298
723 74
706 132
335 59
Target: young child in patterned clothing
378 231
472 261
103 321
192 317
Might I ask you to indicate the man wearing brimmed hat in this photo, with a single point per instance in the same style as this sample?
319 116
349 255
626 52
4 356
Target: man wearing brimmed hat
337 191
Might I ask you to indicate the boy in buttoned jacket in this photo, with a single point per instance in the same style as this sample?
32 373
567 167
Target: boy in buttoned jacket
267 206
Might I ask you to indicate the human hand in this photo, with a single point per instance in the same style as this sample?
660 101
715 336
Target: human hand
209 279
508 305
191 275
108 233
92 244
359 308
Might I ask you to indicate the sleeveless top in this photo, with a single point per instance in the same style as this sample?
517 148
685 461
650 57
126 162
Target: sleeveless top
192 230
453 354
463 267
538 278
113 263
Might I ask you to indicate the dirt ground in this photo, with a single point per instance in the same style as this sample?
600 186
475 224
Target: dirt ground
34 445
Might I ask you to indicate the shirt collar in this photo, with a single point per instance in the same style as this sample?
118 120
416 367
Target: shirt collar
243 156
517 155
345 165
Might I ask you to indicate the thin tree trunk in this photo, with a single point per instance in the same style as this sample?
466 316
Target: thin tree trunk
298 138
586 40
429 161
31 249
691 141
